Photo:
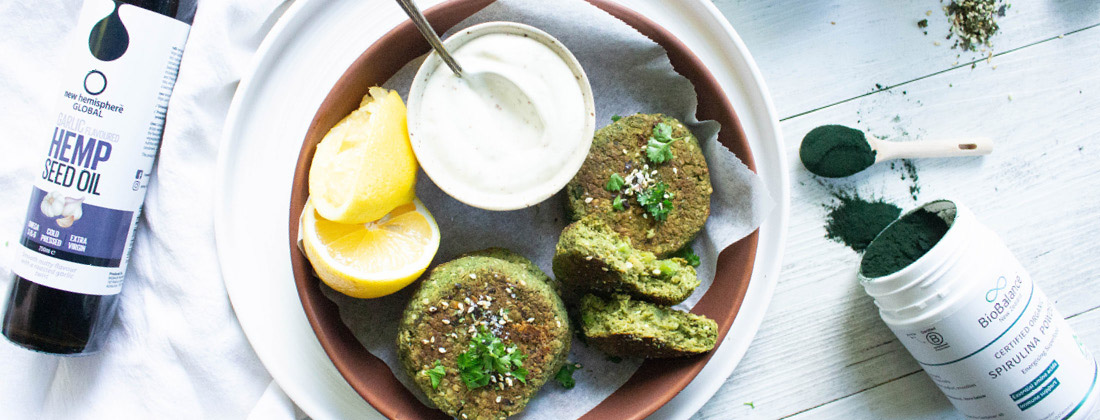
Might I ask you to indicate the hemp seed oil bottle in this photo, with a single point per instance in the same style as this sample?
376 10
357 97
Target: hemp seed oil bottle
970 314
85 201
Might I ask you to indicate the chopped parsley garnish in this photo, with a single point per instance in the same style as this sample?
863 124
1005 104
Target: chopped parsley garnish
488 356
750 404
615 182
615 118
656 201
658 152
565 376
662 132
688 254
659 147
618 204
436 374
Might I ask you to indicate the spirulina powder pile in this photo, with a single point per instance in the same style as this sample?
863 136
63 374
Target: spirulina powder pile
903 243
855 221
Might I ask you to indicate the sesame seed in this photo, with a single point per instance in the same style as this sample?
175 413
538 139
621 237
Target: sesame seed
433 309
444 304
522 283
447 321
464 415
471 310
587 200
498 398
424 341
603 268
588 258
433 339
674 170
442 350
426 301
460 308
628 265
656 271
508 381
473 276
532 319
577 365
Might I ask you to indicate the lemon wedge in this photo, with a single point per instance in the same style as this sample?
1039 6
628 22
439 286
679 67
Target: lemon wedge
368 260
364 167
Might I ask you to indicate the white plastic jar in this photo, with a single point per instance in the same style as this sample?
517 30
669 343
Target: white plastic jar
983 331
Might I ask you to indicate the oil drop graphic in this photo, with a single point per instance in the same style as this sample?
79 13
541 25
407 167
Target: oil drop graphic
108 39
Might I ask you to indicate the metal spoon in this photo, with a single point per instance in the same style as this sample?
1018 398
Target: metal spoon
429 34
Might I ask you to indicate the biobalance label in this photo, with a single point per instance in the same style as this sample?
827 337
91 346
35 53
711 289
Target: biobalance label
87 197
1007 354
968 312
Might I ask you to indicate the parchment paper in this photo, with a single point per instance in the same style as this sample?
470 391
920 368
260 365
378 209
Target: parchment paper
629 73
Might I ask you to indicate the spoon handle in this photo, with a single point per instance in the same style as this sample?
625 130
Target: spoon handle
426 30
886 150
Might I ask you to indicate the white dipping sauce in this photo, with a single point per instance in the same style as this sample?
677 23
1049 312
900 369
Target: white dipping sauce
511 131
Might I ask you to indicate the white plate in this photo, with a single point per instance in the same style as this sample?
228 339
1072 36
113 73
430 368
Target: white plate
292 72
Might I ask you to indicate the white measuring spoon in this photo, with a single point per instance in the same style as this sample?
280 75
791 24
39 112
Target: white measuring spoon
887 150
835 151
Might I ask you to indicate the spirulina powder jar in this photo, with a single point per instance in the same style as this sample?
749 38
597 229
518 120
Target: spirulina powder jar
969 313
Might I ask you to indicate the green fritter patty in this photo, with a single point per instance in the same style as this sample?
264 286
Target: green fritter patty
491 301
620 149
512 257
592 257
624 327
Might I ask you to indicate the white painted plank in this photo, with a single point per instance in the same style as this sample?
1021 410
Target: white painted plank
809 62
822 339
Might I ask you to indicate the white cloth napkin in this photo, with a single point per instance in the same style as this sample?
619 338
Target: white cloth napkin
176 349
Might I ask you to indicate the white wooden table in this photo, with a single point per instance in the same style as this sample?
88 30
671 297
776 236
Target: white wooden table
822 351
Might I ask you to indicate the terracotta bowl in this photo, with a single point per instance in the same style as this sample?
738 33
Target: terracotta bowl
657 381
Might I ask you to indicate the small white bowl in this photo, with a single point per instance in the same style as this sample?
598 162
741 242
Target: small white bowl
454 187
